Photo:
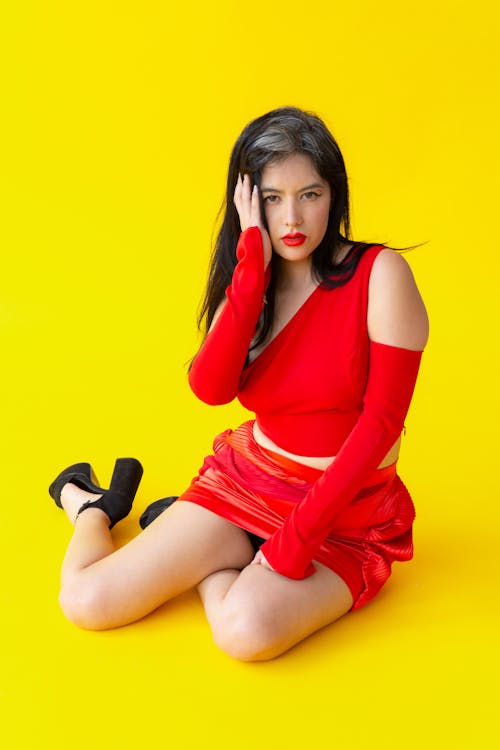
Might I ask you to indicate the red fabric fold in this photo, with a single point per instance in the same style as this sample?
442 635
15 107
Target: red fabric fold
391 379
257 489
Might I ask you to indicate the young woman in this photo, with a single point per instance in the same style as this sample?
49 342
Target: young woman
298 514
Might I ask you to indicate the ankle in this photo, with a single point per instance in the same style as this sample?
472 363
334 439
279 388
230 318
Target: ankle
72 499
91 516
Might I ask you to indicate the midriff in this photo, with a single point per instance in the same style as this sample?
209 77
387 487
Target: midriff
317 462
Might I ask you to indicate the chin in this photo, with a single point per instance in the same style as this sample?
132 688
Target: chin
296 258
293 253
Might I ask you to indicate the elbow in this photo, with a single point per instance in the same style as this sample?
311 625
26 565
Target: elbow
211 394
214 399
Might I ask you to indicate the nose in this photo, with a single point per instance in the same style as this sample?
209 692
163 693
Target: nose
293 214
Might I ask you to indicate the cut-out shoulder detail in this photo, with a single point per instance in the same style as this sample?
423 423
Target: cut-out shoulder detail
396 311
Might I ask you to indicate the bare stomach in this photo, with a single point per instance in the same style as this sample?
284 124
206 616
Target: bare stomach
317 462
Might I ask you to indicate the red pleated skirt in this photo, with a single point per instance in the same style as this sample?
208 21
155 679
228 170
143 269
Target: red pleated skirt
256 489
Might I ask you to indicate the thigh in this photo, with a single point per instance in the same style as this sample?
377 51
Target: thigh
174 553
266 613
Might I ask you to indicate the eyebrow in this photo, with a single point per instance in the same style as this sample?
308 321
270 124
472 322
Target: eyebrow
307 187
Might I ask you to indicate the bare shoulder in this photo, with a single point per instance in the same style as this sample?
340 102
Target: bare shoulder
391 272
396 310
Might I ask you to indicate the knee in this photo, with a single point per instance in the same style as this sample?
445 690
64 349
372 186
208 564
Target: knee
246 635
82 604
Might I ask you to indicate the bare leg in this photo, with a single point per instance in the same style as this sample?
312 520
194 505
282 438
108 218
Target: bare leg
254 613
91 540
104 588
258 614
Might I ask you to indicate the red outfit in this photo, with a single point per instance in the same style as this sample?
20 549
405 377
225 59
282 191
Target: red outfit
257 489
320 387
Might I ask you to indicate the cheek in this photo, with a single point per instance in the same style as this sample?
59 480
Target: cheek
318 225
271 220
321 216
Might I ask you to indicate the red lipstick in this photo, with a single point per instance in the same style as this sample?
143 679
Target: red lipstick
294 239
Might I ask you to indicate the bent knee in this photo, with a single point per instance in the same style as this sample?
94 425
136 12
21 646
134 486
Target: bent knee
83 603
247 636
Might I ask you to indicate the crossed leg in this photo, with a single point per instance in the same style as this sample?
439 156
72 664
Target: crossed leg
257 614
254 613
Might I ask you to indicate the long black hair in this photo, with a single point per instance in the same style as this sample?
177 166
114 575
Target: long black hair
271 138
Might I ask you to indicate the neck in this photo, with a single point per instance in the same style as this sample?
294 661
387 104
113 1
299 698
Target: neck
293 274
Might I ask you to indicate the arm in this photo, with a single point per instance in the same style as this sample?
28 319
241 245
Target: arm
216 370
398 329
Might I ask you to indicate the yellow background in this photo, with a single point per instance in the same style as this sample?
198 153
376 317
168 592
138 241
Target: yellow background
118 121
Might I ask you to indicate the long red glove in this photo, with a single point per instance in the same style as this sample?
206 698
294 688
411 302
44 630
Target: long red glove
391 381
216 370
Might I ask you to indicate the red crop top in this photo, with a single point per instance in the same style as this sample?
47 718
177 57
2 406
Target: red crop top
319 388
306 387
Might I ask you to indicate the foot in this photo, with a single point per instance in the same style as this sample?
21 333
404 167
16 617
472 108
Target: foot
155 509
72 499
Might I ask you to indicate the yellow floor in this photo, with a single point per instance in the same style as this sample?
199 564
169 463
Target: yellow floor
421 660
118 127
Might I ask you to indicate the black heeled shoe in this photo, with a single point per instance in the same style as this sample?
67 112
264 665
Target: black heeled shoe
156 509
115 502
80 474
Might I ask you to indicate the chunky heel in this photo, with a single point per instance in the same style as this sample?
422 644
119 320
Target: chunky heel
127 475
117 501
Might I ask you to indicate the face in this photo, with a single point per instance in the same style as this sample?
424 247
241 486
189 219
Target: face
296 200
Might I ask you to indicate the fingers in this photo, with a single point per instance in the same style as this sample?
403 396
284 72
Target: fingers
263 561
257 558
242 193
254 207
246 200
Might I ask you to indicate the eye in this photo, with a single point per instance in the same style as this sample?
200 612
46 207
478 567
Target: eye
270 198
312 195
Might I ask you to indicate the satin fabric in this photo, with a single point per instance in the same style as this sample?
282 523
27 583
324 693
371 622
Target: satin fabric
256 489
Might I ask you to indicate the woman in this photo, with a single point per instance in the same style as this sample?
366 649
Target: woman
297 516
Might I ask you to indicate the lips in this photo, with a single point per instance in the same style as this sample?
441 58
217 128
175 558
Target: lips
294 239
